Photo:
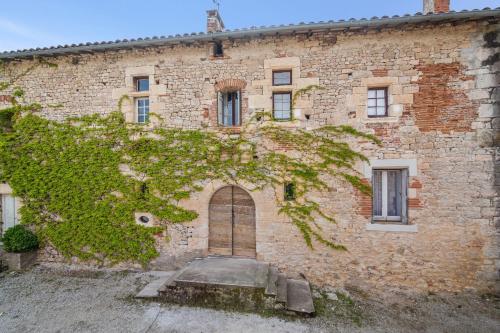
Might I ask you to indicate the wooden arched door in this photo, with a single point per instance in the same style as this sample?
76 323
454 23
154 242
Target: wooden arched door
231 225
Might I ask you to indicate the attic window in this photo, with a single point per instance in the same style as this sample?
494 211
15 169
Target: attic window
218 50
282 78
141 83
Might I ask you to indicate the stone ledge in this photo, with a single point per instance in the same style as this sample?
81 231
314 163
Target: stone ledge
392 227
410 163
378 120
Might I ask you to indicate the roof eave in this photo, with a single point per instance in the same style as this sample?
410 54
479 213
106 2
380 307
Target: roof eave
384 22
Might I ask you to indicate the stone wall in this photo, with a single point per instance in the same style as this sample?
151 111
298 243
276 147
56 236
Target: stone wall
442 125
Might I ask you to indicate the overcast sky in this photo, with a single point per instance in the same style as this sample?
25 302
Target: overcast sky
37 23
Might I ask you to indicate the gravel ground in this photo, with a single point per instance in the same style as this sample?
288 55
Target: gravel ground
48 300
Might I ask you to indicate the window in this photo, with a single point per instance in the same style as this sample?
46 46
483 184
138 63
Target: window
141 84
282 106
229 108
390 195
282 78
9 211
289 191
377 102
142 105
218 50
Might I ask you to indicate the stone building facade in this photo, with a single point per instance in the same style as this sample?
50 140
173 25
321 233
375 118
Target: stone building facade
440 127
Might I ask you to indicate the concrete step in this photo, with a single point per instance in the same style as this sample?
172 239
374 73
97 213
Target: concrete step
224 272
152 289
282 289
299 298
170 282
272 281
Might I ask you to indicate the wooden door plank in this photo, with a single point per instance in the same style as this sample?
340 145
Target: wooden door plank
220 239
243 224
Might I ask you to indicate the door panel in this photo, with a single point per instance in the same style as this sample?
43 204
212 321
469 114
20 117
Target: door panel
232 223
243 224
220 222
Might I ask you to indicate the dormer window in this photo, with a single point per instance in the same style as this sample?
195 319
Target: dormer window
141 84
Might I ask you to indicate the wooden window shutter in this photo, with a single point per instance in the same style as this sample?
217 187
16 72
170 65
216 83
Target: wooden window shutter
377 193
404 196
220 108
237 111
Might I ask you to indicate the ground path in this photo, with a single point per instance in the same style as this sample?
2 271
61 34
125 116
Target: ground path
66 301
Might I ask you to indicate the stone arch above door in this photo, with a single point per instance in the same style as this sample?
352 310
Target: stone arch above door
231 226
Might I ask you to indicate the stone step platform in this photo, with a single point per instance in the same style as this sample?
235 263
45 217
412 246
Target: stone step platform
298 297
232 283
152 289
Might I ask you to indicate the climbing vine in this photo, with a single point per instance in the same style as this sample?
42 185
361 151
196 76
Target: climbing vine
82 180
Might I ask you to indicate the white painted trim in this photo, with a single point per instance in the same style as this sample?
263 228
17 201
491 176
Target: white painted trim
410 164
15 202
392 227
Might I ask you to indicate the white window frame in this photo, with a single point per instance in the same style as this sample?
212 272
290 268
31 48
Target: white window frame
4 211
403 218
281 111
142 109
377 99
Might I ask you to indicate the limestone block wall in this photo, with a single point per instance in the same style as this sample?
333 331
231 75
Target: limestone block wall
442 124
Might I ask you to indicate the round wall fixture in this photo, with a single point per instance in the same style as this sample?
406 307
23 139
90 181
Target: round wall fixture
144 219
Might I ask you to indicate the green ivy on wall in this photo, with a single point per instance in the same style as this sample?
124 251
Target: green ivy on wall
70 175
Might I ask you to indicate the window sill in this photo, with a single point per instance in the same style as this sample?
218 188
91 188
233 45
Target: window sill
282 88
138 94
229 129
213 58
388 119
291 123
412 228
149 126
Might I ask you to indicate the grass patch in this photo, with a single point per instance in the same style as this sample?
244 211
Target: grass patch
344 308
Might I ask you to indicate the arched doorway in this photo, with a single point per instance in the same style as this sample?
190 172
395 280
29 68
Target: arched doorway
231 226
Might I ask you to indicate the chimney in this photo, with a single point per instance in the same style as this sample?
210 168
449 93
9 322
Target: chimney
436 6
214 21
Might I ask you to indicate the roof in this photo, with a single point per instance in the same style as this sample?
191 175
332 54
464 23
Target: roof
374 22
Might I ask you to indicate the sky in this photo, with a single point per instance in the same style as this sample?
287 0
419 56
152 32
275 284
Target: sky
39 23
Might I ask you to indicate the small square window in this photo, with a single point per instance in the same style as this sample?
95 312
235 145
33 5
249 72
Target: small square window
289 191
390 189
282 78
142 106
282 105
218 50
141 84
377 102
